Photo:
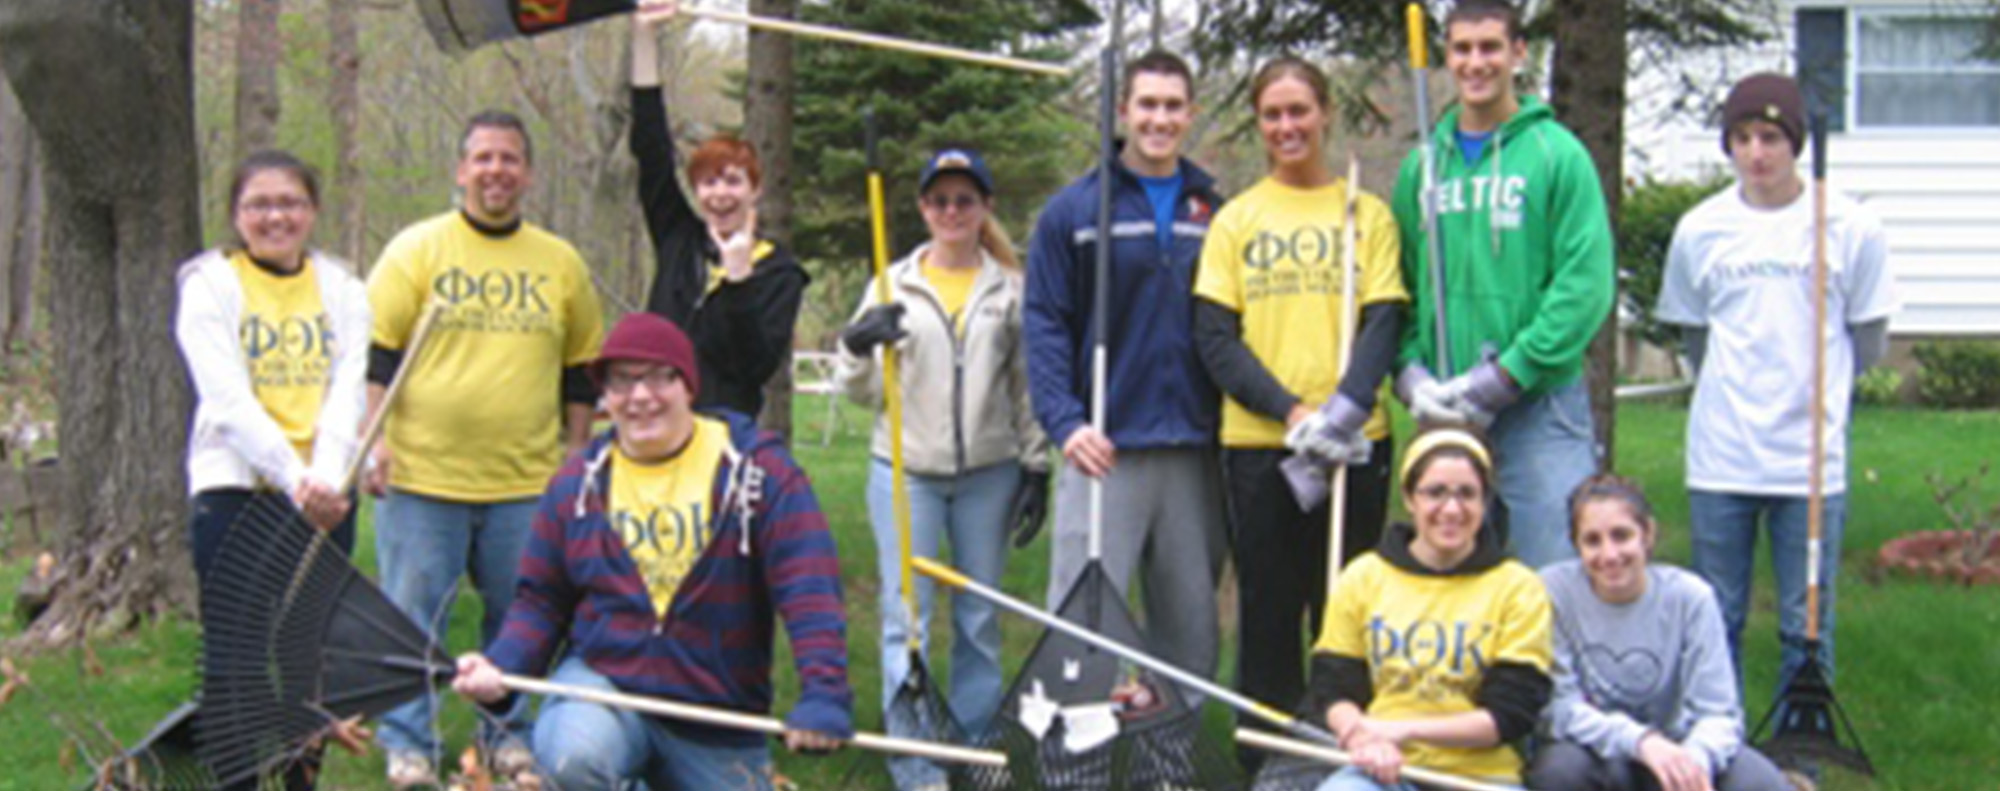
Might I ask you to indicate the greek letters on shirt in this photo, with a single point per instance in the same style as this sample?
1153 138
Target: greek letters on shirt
1503 197
287 350
667 537
495 301
1305 260
1428 659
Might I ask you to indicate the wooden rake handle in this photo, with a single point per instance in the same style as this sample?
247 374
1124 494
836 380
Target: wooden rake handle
1265 740
876 40
708 715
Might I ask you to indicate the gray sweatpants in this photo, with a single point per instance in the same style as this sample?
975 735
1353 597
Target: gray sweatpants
1162 519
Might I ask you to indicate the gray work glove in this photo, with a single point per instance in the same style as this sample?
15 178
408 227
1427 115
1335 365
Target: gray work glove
1429 401
1329 436
1481 393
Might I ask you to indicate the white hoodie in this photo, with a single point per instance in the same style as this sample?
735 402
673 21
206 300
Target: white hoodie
235 442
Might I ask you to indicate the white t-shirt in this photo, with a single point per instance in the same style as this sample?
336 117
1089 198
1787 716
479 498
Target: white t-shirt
1745 274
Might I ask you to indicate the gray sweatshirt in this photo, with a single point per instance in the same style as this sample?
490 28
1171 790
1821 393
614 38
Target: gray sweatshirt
1657 664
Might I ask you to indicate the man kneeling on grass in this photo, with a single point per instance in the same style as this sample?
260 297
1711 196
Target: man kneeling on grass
659 555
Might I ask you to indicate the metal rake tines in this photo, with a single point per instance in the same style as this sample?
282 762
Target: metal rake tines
264 609
1808 725
1157 745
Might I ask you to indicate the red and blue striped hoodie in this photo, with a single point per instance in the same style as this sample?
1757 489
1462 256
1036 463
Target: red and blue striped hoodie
769 553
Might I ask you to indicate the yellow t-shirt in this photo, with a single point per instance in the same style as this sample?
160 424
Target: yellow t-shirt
479 419
1428 641
662 510
953 286
1273 255
287 341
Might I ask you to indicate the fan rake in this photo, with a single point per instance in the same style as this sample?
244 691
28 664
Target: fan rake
280 671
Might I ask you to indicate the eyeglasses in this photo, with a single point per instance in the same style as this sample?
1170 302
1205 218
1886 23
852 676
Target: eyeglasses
1438 493
963 201
274 206
656 379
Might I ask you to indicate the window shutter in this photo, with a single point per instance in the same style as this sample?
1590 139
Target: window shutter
1822 62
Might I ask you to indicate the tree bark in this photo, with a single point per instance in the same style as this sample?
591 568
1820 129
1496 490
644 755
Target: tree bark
343 103
1589 83
20 221
257 53
767 123
108 87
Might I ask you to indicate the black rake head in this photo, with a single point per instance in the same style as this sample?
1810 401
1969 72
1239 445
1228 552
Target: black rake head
1807 724
294 640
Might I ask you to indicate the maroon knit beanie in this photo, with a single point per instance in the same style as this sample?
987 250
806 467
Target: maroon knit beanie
648 337
1767 97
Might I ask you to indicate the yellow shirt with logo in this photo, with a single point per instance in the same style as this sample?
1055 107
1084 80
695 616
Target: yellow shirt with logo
953 286
1428 641
1273 255
287 342
479 419
662 510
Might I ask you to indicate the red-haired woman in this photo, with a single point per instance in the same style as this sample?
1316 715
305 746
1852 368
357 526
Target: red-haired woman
735 294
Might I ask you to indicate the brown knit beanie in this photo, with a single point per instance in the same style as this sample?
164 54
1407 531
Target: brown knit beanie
1767 97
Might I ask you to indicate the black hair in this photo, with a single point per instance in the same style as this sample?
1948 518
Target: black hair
497 119
1605 486
272 159
1483 11
1157 61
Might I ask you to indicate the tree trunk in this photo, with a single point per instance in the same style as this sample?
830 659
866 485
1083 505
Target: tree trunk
343 103
767 122
108 87
257 53
20 221
1589 82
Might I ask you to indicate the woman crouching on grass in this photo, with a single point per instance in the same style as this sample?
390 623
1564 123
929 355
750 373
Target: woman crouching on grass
1436 647
1645 692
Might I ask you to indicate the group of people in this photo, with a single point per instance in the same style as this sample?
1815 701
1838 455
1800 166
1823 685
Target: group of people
657 557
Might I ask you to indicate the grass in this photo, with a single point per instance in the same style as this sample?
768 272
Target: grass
1915 657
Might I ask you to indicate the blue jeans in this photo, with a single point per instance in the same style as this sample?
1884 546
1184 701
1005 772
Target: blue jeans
1725 546
1352 779
590 746
971 509
422 545
1543 446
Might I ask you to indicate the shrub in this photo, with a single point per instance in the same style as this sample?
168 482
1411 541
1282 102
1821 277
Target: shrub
1958 374
1880 386
1646 220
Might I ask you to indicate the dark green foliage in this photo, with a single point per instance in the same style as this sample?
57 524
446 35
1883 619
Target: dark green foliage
1958 374
1372 32
1646 220
1014 119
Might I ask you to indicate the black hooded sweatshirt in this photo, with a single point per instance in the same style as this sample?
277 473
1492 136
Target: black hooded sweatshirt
741 331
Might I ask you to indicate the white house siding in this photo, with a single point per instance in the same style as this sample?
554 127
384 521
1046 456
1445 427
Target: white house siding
1937 191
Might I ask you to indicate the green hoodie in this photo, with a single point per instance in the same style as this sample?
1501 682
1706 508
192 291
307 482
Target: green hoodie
1528 256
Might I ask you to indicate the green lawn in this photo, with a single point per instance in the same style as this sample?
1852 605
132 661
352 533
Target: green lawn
1915 658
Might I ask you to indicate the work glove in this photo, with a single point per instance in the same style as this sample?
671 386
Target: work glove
875 326
1480 394
1429 402
1030 508
1328 436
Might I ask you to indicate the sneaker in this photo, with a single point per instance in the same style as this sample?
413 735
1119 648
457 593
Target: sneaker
411 770
1801 781
512 760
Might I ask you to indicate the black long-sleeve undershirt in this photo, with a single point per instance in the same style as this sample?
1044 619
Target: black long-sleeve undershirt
1218 335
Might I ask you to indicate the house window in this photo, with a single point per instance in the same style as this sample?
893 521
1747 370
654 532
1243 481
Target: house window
1919 68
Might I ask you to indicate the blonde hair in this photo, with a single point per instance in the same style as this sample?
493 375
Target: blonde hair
993 239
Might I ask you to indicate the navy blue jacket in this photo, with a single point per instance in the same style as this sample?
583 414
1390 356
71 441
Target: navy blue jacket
1160 396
